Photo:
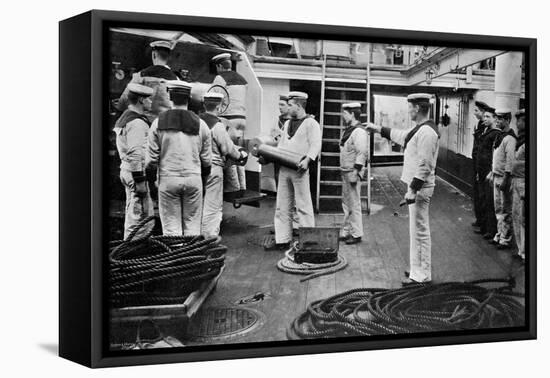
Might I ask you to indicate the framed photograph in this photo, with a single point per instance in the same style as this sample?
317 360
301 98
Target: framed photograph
234 188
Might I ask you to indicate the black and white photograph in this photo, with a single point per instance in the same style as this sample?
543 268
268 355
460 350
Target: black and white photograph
275 189
264 188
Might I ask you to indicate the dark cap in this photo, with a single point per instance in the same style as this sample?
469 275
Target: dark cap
483 106
489 109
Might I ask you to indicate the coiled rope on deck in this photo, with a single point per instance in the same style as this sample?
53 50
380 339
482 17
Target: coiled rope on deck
417 308
288 265
161 269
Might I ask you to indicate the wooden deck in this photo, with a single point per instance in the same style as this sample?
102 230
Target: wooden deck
458 254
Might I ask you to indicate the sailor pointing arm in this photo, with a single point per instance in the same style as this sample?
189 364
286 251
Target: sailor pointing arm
421 144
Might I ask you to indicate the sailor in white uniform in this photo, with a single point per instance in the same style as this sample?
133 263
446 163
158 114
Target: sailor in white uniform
236 86
301 134
223 149
131 131
353 156
180 146
421 145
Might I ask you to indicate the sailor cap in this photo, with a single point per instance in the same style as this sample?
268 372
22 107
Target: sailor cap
221 57
352 105
503 111
283 97
490 109
212 97
162 45
520 113
483 106
296 94
178 86
140 90
419 97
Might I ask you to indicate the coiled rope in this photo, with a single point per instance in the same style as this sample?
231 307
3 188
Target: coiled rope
288 265
161 269
417 308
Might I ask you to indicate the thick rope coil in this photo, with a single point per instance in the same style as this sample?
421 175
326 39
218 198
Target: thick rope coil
287 265
161 269
417 308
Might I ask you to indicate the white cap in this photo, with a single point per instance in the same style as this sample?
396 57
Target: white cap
212 97
419 97
178 86
503 111
162 44
141 90
296 94
351 105
221 57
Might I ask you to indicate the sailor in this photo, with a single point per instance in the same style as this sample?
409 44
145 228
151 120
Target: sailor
353 156
222 149
518 186
479 109
301 134
276 133
283 117
421 145
236 86
501 176
180 146
484 163
131 131
155 77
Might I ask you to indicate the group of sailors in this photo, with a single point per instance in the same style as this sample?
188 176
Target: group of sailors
193 159
189 157
301 133
499 183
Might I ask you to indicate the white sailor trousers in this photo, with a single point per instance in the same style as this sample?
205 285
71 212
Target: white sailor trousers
137 208
420 248
351 204
213 202
180 205
293 190
503 212
518 213
238 174
230 178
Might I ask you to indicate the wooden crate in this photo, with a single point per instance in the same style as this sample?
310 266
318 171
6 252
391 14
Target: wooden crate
172 320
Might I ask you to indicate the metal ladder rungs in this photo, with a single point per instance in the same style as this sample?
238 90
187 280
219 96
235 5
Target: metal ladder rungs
344 89
335 82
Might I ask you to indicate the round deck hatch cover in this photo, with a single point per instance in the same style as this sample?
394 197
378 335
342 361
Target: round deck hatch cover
221 322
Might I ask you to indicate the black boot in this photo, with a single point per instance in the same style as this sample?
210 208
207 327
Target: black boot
352 240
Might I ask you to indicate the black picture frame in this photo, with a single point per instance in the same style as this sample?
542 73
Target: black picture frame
82 315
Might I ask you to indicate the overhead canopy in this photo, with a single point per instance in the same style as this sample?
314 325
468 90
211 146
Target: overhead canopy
226 41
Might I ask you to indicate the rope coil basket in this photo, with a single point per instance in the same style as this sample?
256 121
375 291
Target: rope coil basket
161 269
310 270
